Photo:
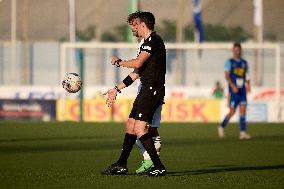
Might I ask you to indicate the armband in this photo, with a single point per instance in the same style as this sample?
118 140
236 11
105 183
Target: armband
128 81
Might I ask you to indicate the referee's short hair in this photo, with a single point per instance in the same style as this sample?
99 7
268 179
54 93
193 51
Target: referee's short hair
237 44
133 16
148 18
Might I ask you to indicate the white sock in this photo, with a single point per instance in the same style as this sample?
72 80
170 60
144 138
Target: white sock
157 143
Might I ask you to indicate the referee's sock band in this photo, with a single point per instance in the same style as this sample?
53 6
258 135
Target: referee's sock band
148 144
129 141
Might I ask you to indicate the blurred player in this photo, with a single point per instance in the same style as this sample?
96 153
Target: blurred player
150 66
218 91
147 163
236 73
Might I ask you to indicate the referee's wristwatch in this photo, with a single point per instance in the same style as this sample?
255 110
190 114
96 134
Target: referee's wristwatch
116 63
117 89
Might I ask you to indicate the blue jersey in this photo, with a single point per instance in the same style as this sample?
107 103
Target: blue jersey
238 70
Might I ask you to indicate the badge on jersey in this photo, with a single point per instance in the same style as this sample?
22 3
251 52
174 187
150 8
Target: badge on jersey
146 48
240 82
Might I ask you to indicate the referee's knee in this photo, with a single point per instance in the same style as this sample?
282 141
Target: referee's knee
140 128
129 127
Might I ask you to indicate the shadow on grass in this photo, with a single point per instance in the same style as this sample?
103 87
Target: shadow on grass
56 144
53 138
216 141
227 169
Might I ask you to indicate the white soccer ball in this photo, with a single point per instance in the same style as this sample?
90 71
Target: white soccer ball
72 83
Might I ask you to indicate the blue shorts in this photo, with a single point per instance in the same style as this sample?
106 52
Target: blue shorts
236 99
157 117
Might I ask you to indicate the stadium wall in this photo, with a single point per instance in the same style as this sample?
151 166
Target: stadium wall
186 104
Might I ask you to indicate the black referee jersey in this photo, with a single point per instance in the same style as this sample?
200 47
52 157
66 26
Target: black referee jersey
153 71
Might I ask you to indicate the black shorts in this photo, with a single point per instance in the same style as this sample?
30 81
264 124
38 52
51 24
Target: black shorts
146 102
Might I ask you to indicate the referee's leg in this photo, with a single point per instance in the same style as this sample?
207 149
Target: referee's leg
129 141
146 139
147 163
120 167
130 136
153 131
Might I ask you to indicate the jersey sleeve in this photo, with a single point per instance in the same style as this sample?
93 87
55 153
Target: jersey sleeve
148 46
247 68
247 72
227 65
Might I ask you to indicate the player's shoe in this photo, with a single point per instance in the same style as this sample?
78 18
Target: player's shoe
157 172
244 136
146 165
115 169
221 132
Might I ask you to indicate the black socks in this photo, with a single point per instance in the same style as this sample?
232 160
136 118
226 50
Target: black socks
129 141
148 144
146 140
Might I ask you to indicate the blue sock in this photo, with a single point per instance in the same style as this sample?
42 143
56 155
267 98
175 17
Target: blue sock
225 122
243 124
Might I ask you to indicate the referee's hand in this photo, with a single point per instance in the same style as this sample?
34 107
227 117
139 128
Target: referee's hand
114 59
111 97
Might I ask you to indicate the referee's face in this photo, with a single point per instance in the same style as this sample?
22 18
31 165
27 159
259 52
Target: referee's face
134 27
141 29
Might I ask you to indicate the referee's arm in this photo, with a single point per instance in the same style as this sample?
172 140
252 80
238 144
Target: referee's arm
137 62
133 75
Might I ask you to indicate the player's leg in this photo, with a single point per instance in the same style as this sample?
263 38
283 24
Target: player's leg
153 130
147 163
120 167
130 136
151 98
129 141
228 117
144 153
146 140
129 126
243 126
233 102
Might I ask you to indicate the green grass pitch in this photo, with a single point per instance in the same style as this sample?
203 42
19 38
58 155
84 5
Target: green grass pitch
71 155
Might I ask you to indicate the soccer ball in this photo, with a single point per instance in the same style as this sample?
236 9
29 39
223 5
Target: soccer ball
72 83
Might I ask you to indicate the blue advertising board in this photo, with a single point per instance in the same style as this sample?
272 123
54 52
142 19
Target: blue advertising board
39 110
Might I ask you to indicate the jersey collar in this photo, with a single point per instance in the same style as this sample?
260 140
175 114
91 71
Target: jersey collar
153 32
238 60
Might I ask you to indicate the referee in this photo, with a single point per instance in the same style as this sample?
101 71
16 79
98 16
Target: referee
150 66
